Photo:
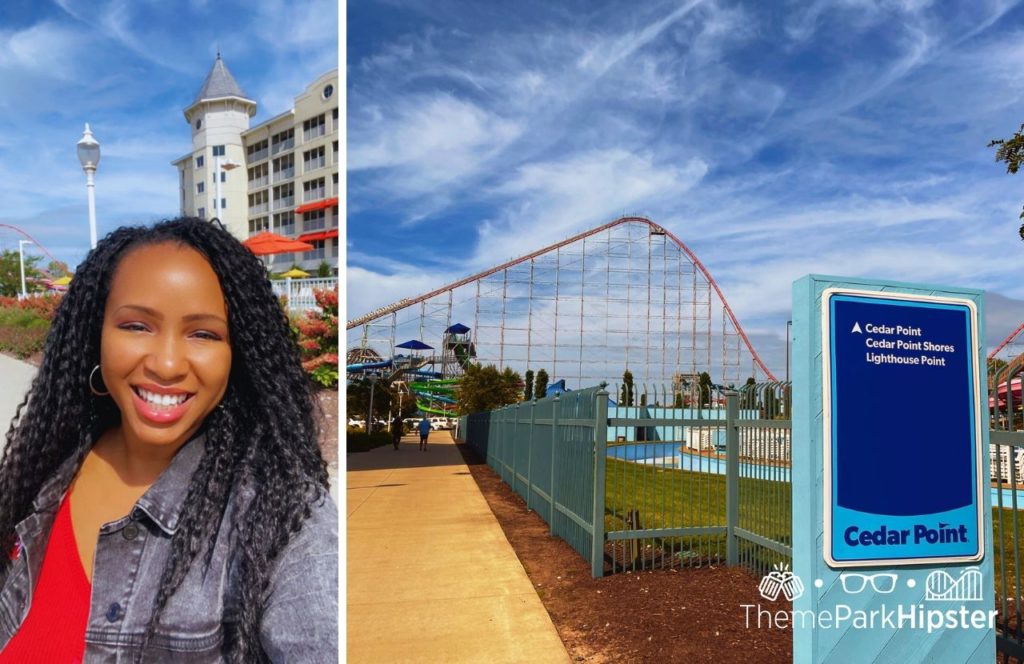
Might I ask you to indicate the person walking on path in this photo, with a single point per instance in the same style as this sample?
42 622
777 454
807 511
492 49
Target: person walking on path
396 431
424 427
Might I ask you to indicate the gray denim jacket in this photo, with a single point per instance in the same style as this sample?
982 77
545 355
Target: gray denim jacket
300 621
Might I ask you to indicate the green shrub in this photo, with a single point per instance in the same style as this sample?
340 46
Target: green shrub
24 324
357 440
318 339
23 342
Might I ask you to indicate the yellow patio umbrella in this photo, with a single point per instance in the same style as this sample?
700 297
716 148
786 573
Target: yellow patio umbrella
295 273
63 281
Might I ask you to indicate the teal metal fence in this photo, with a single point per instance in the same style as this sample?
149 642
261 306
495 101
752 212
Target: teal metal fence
671 486
1006 454
547 451
708 485
709 482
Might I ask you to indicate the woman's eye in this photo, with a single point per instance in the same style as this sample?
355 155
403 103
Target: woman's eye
132 327
209 336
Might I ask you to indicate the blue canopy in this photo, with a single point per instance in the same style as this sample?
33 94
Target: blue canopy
557 387
415 344
458 328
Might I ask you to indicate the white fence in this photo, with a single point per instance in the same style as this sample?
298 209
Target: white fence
300 291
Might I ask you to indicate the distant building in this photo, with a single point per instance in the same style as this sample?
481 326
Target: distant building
281 175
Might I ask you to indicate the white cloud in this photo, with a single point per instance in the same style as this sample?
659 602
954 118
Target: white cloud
369 289
553 200
429 140
854 147
44 50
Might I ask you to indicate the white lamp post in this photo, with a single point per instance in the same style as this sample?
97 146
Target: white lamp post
219 166
21 261
89 156
369 417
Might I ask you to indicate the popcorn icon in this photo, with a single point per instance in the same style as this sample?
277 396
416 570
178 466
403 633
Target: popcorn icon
781 579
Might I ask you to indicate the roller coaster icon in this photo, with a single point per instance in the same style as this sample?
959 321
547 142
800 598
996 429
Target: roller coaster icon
941 586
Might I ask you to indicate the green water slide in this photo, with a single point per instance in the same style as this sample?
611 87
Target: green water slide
435 396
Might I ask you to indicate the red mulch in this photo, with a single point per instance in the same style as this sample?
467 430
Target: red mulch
685 615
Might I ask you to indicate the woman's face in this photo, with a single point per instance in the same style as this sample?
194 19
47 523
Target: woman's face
165 354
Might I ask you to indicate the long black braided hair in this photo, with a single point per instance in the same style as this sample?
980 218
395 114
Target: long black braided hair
262 440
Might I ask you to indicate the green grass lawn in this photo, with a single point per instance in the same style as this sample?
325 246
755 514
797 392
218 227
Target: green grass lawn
1006 562
672 498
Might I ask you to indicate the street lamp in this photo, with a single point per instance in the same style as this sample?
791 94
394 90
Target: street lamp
21 262
402 389
219 166
369 417
89 157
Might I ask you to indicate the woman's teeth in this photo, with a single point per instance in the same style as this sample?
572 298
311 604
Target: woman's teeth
165 400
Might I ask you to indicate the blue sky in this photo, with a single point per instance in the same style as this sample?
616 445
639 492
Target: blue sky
775 139
129 69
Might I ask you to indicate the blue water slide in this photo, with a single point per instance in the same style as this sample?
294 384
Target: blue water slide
355 368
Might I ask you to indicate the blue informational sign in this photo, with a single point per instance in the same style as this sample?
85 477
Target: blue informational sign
902 444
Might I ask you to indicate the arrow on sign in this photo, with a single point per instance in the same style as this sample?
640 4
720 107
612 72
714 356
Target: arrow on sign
856 328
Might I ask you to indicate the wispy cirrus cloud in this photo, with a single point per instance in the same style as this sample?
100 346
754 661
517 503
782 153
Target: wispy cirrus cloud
840 135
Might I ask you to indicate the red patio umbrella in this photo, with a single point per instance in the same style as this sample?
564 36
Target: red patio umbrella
267 243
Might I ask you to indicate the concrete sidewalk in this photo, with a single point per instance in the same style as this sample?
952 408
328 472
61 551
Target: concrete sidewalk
431 577
15 379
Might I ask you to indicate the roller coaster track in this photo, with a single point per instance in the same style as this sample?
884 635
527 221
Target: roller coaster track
33 241
1006 341
655 228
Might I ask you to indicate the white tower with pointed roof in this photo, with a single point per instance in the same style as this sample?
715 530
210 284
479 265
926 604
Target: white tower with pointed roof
218 116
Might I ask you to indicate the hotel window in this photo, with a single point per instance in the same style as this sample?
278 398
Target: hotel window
258 202
284 167
316 252
313 128
313 159
257 151
284 223
284 196
200 161
313 221
201 187
258 175
202 213
218 150
313 190
282 141
258 225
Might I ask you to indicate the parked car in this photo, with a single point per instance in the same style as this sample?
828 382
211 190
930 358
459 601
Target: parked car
438 423
357 423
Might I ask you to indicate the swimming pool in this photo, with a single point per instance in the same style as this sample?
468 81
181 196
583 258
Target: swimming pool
669 455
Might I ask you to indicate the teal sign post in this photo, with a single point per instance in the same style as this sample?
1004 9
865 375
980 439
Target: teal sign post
891 505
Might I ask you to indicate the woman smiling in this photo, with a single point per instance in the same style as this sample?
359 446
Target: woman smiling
162 494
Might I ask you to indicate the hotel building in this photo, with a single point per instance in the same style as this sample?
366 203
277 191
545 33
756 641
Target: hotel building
281 175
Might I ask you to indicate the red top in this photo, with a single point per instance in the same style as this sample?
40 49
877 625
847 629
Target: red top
54 630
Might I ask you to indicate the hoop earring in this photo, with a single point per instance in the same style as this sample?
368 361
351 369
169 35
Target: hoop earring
93 389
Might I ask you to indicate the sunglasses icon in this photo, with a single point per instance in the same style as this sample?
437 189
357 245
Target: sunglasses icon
854 582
